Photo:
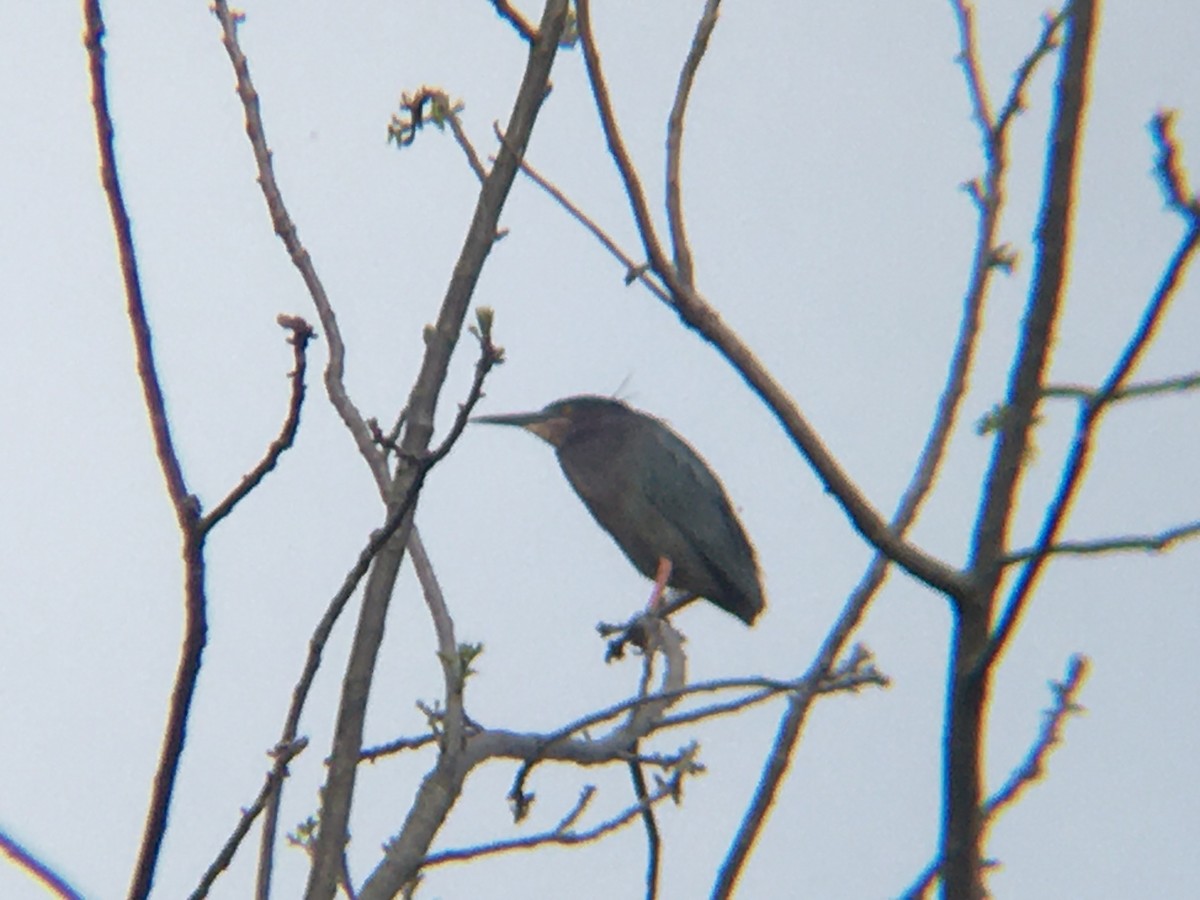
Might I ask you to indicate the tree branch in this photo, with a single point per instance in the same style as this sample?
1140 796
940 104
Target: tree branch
186 506
687 77
441 787
1031 769
1150 543
1093 410
961 840
508 13
302 333
286 229
653 838
561 835
1170 173
282 754
406 854
1177 385
703 318
47 878
990 196
633 270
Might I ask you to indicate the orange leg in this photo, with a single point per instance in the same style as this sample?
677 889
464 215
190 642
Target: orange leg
661 577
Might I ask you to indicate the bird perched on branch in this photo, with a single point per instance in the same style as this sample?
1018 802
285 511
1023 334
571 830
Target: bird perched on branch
660 501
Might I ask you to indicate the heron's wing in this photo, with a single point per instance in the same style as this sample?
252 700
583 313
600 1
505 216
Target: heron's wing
688 494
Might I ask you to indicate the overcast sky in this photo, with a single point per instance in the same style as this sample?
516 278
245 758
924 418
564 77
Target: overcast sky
826 146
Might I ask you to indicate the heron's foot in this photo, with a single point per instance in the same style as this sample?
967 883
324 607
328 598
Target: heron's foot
633 633
637 632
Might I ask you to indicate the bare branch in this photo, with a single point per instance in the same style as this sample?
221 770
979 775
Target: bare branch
441 788
490 355
616 144
405 855
1031 768
762 688
990 207
1080 452
687 77
1170 174
559 835
47 878
316 647
467 147
371 754
645 711
455 667
1150 543
187 507
633 271
508 12
961 821
1134 391
1066 693
302 333
283 754
286 229
1053 237
653 838
699 315
1047 44
968 58
168 459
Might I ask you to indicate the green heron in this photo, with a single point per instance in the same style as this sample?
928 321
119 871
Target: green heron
653 493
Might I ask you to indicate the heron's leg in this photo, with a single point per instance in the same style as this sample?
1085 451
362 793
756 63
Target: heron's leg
661 576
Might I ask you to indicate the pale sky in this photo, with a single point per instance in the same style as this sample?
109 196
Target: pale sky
825 150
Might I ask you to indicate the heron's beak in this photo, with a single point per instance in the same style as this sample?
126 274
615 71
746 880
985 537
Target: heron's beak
550 430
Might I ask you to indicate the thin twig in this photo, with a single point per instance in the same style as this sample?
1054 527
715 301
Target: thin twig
1136 391
633 271
761 690
371 754
1031 769
554 836
687 77
147 369
1171 174
455 667
468 148
283 755
653 839
302 333
412 119
1014 104
1149 543
968 57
